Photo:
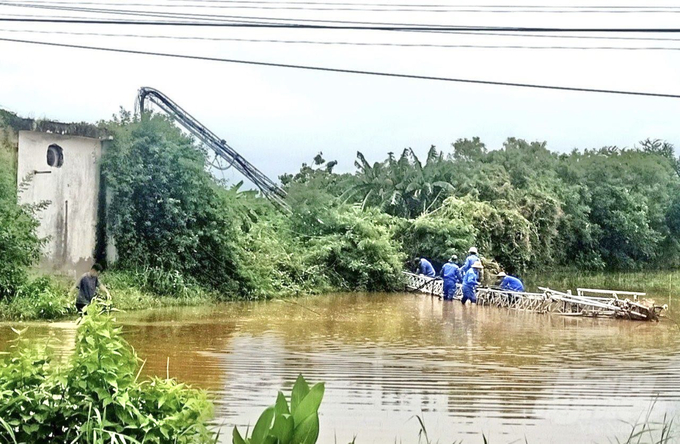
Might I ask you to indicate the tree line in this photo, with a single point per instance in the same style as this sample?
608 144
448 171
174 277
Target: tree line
524 206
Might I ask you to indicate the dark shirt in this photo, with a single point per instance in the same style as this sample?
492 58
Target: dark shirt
87 288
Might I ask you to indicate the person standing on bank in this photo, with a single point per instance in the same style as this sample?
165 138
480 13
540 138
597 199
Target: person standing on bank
451 275
87 287
470 283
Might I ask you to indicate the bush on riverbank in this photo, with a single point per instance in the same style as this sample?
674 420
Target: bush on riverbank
98 397
19 242
40 298
166 212
355 249
189 234
139 289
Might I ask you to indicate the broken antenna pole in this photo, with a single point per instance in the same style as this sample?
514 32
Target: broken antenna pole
267 187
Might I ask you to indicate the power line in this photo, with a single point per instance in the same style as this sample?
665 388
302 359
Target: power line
346 43
362 7
347 71
383 6
420 5
427 28
29 18
468 33
593 37
156 14
375 26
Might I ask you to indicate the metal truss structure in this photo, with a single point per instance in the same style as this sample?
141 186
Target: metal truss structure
586 303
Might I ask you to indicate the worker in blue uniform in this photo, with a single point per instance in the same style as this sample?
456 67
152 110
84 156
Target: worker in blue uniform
510 283
425 267
470 283
452 276
473 256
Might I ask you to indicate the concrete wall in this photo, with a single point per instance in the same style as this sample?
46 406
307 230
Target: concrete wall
70 219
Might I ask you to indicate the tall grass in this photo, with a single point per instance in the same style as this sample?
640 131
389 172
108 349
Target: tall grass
660 285
150 288
646 431
40 298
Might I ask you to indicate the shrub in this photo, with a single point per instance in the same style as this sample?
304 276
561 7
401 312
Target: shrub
19 243
276 262
436 238
41 298
356 250
98 397
166 212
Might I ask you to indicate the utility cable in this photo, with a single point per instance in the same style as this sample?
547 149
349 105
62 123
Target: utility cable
352 25
562 36
347 43
424 5
466 33
371 8
434 28
29 18
348 71
368 7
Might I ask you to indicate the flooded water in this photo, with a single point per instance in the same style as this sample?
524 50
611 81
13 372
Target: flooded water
386 358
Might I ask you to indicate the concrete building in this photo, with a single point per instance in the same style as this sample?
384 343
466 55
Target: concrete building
59 164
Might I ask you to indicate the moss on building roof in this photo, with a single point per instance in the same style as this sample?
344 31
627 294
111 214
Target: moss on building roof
83 129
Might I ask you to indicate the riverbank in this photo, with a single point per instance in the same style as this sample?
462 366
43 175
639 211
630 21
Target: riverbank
50 298
47 297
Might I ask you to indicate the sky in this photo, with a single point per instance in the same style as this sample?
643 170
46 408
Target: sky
279 118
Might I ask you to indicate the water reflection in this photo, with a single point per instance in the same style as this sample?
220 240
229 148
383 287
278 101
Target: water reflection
386 358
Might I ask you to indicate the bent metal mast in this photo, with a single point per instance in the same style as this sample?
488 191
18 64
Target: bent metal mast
266 186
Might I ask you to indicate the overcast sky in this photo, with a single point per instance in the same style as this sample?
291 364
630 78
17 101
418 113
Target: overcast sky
278 118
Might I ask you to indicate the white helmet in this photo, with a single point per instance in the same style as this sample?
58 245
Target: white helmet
473 250
501 274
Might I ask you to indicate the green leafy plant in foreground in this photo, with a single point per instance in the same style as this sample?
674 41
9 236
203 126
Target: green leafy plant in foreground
97 397
297 423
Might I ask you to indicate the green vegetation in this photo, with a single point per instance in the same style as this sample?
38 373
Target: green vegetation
166 212
184 237
40 298
179 231
284 423
19 242
98 397
523 205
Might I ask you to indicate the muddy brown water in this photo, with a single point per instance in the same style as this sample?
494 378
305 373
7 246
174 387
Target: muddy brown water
388 357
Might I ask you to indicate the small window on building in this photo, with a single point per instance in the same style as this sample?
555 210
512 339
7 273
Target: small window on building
55 156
